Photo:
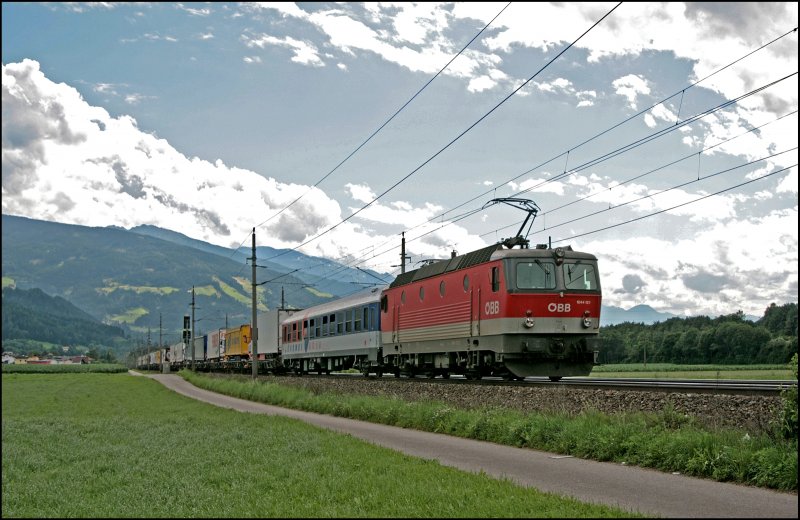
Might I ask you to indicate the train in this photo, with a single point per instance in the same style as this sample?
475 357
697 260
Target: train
499 311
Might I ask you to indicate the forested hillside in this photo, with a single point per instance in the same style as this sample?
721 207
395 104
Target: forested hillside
34 315
727 339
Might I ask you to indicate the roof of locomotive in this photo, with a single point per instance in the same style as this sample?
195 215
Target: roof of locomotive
493 252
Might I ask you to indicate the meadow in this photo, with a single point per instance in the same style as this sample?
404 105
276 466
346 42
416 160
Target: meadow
103 445
667 441
109 444
674 371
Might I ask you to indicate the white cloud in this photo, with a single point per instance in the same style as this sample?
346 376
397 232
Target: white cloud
719 272
305 53
630 87
67 161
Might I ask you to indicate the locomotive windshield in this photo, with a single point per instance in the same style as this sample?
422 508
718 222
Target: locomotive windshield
545 274
536 275
580 276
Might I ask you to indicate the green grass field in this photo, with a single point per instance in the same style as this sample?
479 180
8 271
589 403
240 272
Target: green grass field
672 371
114 445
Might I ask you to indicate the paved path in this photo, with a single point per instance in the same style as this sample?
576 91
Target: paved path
631 488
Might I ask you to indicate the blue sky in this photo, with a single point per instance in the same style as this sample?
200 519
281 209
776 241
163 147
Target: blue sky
214 118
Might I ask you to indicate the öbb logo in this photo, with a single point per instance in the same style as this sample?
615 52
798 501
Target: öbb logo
559 307
492 308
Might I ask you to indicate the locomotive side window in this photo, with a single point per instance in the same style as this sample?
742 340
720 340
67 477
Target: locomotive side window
421 293
441 288
580 276
385 303
403 297
536 275
466 282
495 276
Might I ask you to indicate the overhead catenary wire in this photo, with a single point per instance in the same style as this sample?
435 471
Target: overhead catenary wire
770 174
683 90
626 120
368 139
654 170
363 143
454 140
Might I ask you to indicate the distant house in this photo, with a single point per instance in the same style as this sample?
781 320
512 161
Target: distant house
9 358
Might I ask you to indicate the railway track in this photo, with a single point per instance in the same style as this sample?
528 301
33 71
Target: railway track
702 386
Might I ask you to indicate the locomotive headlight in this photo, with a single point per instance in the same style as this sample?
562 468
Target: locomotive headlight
587 321
528 323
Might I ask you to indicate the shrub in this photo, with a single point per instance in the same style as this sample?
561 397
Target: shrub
787 420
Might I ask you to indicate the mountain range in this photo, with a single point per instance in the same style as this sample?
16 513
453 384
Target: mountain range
145 279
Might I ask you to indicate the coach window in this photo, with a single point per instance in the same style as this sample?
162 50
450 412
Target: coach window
357 320
324 325
348 321
316 321
339 323
421 293
294 331
312 331
285 334
495 279
466 282
305 330
441 288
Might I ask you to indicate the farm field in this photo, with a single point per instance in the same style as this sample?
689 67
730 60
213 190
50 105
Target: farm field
113 445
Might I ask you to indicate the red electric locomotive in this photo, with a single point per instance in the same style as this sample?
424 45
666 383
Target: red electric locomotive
497 311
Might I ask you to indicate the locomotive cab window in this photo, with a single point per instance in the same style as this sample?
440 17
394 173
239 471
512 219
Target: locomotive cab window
495 277
580 276
535 275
